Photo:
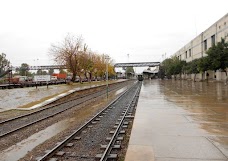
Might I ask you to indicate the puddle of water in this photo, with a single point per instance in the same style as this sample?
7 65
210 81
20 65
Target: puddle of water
20 149
205 104
120 90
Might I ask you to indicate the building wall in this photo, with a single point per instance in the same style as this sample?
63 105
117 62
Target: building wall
199 45
197 48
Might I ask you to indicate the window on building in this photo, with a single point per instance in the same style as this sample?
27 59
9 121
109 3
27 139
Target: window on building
186 54
205 44
190 54
212 40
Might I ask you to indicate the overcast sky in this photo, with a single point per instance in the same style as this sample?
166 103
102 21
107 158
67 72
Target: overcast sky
144 29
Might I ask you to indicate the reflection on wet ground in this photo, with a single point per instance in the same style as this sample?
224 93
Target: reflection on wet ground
180 120
27 97
120 91
21 149
13 98
206 105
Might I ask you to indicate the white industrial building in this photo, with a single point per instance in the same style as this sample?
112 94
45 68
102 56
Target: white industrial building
197 47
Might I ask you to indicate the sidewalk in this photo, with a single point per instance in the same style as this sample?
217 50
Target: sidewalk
171 125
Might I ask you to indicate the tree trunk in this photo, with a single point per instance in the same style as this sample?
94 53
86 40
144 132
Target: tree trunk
226 78
85 74
80 79
73 77
194 77
90 76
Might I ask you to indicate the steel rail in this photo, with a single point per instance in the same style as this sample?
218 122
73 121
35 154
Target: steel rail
113 138
21 116
74 134
31 123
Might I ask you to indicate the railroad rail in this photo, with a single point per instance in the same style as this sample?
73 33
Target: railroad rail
88 137
111 144
12 125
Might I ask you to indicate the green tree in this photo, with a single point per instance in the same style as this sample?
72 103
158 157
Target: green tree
193 68
166 66
4 63
218 56
24 69
39 72
50 71
45 72
61 71
161 72
203 64
129 71
173 66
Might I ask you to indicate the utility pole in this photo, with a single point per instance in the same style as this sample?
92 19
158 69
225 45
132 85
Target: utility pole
107 59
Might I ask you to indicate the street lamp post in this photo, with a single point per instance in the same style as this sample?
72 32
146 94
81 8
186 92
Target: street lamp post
107 59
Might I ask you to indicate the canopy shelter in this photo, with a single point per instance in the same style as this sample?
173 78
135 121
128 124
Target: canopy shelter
150 73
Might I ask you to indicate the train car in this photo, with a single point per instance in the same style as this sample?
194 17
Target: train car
140 77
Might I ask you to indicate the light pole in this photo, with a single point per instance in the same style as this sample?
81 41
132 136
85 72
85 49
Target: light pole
107 59
3 63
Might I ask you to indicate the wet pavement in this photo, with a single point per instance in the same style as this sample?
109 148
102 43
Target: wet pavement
180 120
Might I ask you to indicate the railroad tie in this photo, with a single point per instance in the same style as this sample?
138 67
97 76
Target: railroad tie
118 139
114 146
97 119
60 153
77 138
69 144
124 126
114 127
110 156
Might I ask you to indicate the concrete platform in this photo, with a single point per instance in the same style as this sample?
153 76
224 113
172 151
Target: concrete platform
173 123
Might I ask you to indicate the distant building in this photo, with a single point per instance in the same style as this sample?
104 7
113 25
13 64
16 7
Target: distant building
151 73
120 75
199 45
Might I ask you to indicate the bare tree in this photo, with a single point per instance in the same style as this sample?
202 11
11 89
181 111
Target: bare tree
78 59
67 53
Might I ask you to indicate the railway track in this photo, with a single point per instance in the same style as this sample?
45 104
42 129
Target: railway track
15 124
99 138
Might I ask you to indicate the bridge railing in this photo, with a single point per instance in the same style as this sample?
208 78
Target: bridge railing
141 64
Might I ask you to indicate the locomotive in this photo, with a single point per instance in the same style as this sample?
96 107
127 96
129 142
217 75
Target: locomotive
140 77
